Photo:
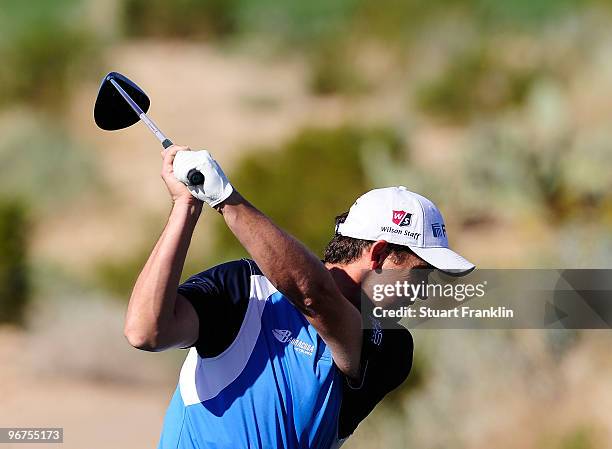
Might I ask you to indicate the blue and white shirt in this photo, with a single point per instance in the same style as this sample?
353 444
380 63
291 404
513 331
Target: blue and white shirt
259 375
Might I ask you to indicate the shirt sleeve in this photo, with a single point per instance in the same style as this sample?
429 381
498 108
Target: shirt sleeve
220 297
386 361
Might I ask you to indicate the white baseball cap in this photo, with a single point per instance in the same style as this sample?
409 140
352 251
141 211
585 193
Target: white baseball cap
399 216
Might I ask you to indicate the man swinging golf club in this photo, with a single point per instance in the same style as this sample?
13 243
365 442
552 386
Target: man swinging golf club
278 355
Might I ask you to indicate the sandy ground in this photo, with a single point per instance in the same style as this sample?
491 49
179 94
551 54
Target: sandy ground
94 414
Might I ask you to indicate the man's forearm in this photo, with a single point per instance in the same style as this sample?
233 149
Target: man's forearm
152 304
286 262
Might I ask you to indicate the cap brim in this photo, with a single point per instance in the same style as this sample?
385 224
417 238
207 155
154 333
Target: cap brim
445 259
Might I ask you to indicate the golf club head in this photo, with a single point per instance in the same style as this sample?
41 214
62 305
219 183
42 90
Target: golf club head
111 111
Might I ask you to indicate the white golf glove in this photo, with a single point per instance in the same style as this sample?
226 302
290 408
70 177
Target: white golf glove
216 187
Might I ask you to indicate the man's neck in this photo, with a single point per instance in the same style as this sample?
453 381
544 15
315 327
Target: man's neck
347 278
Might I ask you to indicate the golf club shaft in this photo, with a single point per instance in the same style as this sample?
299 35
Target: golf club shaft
194 176
145 119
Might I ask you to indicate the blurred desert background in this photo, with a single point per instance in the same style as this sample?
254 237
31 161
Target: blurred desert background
499 111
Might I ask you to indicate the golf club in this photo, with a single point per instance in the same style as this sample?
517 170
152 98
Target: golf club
121 103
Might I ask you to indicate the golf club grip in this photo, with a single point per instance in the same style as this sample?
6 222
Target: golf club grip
167 143
195 177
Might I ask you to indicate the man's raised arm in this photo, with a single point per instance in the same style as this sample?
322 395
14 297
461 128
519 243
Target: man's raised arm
289 265
157 317
301 276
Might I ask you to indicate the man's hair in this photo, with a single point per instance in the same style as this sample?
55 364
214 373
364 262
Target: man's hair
344 250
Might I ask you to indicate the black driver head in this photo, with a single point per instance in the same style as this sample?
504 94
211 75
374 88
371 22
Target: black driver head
111 110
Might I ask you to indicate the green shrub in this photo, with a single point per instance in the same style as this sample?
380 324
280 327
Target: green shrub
396 21
333 71
14 279
43 50
579 438
117 276
474 83
307 182
180 18
305 23
558 179
524 12
40 164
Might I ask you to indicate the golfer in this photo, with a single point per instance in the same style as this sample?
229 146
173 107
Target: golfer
278 357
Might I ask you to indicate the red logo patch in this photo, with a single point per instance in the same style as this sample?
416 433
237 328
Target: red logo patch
401 218
398 215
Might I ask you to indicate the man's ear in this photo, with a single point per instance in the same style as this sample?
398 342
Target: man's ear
379 251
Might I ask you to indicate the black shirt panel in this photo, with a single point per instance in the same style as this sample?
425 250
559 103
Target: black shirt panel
386 361
220 297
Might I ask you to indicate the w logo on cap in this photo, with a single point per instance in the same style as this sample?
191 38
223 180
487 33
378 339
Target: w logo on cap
401 218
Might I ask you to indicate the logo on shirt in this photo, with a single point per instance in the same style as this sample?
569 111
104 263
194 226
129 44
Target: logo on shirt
377 335
284 336
401 218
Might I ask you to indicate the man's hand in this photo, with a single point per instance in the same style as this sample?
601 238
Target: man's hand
178 191
215 189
